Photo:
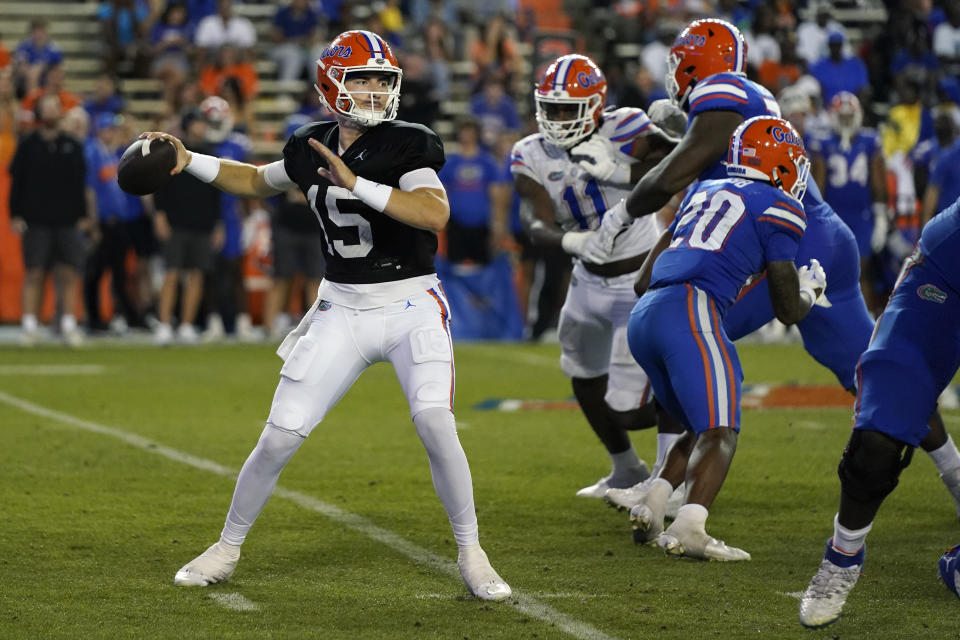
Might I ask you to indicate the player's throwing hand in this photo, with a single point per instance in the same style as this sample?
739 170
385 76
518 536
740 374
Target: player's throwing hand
337 172
183 156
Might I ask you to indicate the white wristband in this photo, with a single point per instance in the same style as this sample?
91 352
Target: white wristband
811 293
202 167
372 194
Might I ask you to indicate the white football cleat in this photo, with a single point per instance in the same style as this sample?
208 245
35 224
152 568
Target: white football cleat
216 564
646 518
73 337
187 333
827 592
679 540
481 580
163 334
952 480
626 499
600 487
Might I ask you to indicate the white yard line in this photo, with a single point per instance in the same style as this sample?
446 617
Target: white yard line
524 603
235 601
535 359
51 369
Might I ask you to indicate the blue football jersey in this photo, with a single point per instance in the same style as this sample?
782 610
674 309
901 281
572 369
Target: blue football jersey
727 231
940 245
848 170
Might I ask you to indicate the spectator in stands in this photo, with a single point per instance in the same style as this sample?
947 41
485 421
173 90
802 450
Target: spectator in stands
229 64
946 127
76 122
776 75
812 35
478 194
916 57
240 106
51 220
621 91
495 110
495 54
34 55
9 120
946 38
105 98
838 72
224 27
391 18
124 25
53 82
762 44
187 222
418 100
294 29
439 55
170 41
224 290
909 121
297 251
653 56
108 203
943 185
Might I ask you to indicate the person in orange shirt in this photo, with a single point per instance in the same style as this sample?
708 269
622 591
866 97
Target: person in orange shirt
229 64
53 82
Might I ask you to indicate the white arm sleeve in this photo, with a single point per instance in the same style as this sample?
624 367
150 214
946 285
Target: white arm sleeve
275 175
420 178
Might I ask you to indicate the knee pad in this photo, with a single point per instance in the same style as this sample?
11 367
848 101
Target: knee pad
278 444
434 426
871 465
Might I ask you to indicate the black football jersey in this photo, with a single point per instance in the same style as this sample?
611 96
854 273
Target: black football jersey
362 245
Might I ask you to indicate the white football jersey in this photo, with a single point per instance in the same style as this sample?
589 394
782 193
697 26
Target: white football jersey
579 199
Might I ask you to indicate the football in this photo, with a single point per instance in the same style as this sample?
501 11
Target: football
144 168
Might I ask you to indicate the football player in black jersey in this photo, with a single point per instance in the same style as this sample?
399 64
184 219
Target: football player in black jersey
372 183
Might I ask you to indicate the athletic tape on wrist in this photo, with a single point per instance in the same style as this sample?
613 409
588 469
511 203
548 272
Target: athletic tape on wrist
203 167
811 293
373 194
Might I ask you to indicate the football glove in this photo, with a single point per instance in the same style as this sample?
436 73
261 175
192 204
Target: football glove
813 281
585 245
615 221
669 118
881 227
597 157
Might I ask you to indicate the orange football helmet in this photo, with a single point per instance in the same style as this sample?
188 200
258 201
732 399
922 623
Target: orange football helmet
846 114
570 99
769 149
703 48
349 53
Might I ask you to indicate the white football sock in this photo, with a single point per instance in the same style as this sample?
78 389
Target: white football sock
692 515
625 463
256 481
29 322
947 458
665 442
450 471
848 541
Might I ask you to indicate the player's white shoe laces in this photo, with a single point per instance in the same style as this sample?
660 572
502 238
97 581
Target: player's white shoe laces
479 576
600 487
826 594
679 540
216 564
952 480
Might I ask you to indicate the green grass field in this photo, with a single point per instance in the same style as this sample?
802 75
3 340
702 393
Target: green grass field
94 527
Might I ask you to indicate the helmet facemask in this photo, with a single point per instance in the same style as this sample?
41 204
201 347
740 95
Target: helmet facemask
566 121
670 80
358 105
